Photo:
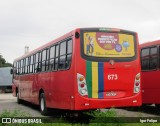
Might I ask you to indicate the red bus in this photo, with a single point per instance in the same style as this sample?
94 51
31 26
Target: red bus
150 63
87 68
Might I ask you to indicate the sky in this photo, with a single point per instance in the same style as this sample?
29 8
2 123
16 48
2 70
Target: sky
35 22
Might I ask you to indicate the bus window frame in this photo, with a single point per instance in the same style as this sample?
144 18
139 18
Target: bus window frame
66 54
52 58
43 60
62 55
107 59
158 57
38 61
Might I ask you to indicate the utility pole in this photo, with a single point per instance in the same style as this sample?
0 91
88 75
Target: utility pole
26 49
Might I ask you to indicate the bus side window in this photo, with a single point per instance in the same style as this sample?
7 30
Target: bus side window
145 58
43 60
26 70
31 64
28 67
39 62
149 58
16 67
36 62
24 64
62 57
19 67
56 57
52 58
69 54
47 60
153 58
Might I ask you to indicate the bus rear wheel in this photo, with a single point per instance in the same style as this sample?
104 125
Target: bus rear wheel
19 101
158 106
42 103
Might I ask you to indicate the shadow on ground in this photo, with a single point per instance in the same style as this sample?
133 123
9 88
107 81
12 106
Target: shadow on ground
55 115
149 109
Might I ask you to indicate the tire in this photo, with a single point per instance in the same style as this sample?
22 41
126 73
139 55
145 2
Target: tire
42 103
158 106
19 101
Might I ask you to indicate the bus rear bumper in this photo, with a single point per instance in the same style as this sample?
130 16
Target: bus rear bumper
86 103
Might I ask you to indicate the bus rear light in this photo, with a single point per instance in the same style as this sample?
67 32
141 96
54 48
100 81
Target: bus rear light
86 104
134 101
82 86
83 91
137 83
137 89
138 77
81 78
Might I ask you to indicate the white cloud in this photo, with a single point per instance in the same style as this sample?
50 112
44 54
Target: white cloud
149 30
35 22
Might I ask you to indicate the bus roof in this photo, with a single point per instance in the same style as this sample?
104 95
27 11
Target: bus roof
150 43
68 35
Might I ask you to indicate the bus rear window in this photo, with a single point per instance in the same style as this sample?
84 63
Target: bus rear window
103 44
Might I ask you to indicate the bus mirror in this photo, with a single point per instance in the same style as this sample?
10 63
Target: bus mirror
11 71
77 35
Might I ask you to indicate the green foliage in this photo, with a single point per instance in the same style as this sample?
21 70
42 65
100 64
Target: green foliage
96 118
3 62
142 124
100 113
105 118
14 113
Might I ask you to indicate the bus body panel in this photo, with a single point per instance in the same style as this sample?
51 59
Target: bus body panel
119 89
61 87
150 79
57 86
54 96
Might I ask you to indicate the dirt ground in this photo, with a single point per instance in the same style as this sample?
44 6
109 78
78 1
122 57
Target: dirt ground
8 102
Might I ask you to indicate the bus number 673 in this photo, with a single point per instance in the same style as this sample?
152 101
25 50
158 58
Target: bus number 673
112 76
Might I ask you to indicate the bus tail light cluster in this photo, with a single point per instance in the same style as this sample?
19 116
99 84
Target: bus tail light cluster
82 86
137 83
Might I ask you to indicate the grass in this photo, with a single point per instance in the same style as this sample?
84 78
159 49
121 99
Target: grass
105 118
92 118
15 113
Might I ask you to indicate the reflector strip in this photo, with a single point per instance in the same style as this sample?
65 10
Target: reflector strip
89 78
100 80
95 79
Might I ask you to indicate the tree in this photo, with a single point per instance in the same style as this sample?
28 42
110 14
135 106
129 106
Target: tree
3 62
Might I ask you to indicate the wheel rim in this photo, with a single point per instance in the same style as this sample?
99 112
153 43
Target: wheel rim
42 104
17 95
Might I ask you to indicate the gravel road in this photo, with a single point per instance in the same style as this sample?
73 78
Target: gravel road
8 102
